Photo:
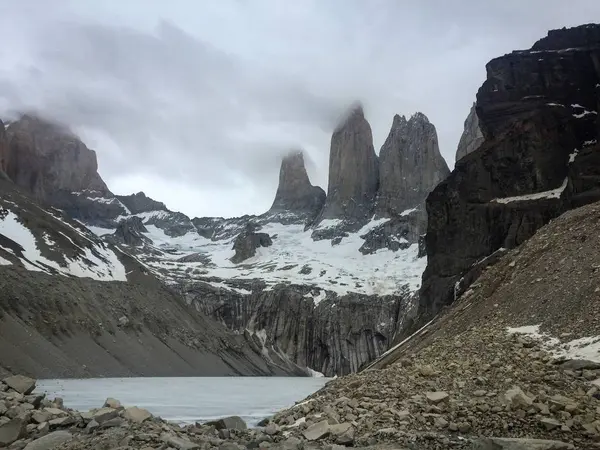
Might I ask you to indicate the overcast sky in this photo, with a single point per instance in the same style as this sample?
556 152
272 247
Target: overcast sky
194 102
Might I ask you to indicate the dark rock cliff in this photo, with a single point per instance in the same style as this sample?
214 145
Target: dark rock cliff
246 243
353 171
333 335
46 158
50 162
140 202
472 137
410 165
538 112
295 194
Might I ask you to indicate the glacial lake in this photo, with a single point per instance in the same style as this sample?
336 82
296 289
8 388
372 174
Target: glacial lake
187 400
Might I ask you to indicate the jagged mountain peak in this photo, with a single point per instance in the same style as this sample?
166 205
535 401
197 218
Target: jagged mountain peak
355 113
140 202
410 165
353 171
295 193
419 117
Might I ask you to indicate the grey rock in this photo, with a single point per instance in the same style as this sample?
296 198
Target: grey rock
178 443
111 423
20 383
247 242
353 171
104 414
137 415
130 232
112 403
62 421
295 194
91 426
520 444
436 397
229 423
410 165
317 430
579 364
51 441
11 431
472 137
140 202
516 397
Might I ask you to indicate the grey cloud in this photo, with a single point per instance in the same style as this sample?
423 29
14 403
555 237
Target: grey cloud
206 96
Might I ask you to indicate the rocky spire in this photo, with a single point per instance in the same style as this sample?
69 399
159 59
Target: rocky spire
46 158
410 165
353 170
295 193
472 136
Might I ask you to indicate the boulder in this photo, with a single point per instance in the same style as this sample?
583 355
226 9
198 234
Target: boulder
104 414
51 441
517 398
11 431
520 444
317 430
229 423
20 383
178 442
112 403
436 397
137 415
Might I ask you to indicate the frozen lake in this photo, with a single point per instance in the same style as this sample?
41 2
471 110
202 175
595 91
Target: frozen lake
187 400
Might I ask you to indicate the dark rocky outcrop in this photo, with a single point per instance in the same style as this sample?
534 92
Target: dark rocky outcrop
353 171
538 112
46 158
398 233
410 165
472 137
140 202
328 333
49 161
295 194
247 242
130 232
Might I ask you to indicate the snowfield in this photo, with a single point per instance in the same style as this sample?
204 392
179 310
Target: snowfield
94 261
294 258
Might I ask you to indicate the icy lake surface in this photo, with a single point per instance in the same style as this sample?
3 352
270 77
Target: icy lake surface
186 400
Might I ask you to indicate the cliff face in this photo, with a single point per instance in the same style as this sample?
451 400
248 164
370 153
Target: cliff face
538 112
333 335
295 194
410 165
57 168
353 171
472 137
46 158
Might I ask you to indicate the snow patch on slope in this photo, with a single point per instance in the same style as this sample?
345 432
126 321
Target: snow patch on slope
587 348
554 193
99 264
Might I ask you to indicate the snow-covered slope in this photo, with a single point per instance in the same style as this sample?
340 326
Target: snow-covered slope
46 241
293 258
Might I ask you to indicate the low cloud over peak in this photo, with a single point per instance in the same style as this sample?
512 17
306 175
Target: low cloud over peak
195 102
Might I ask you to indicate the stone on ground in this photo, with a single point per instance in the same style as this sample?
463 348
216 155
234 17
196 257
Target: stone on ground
520 444
11 431
112 403
137 415
51 441
104 414
229 423
20 383
317 430
178 443
436 397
